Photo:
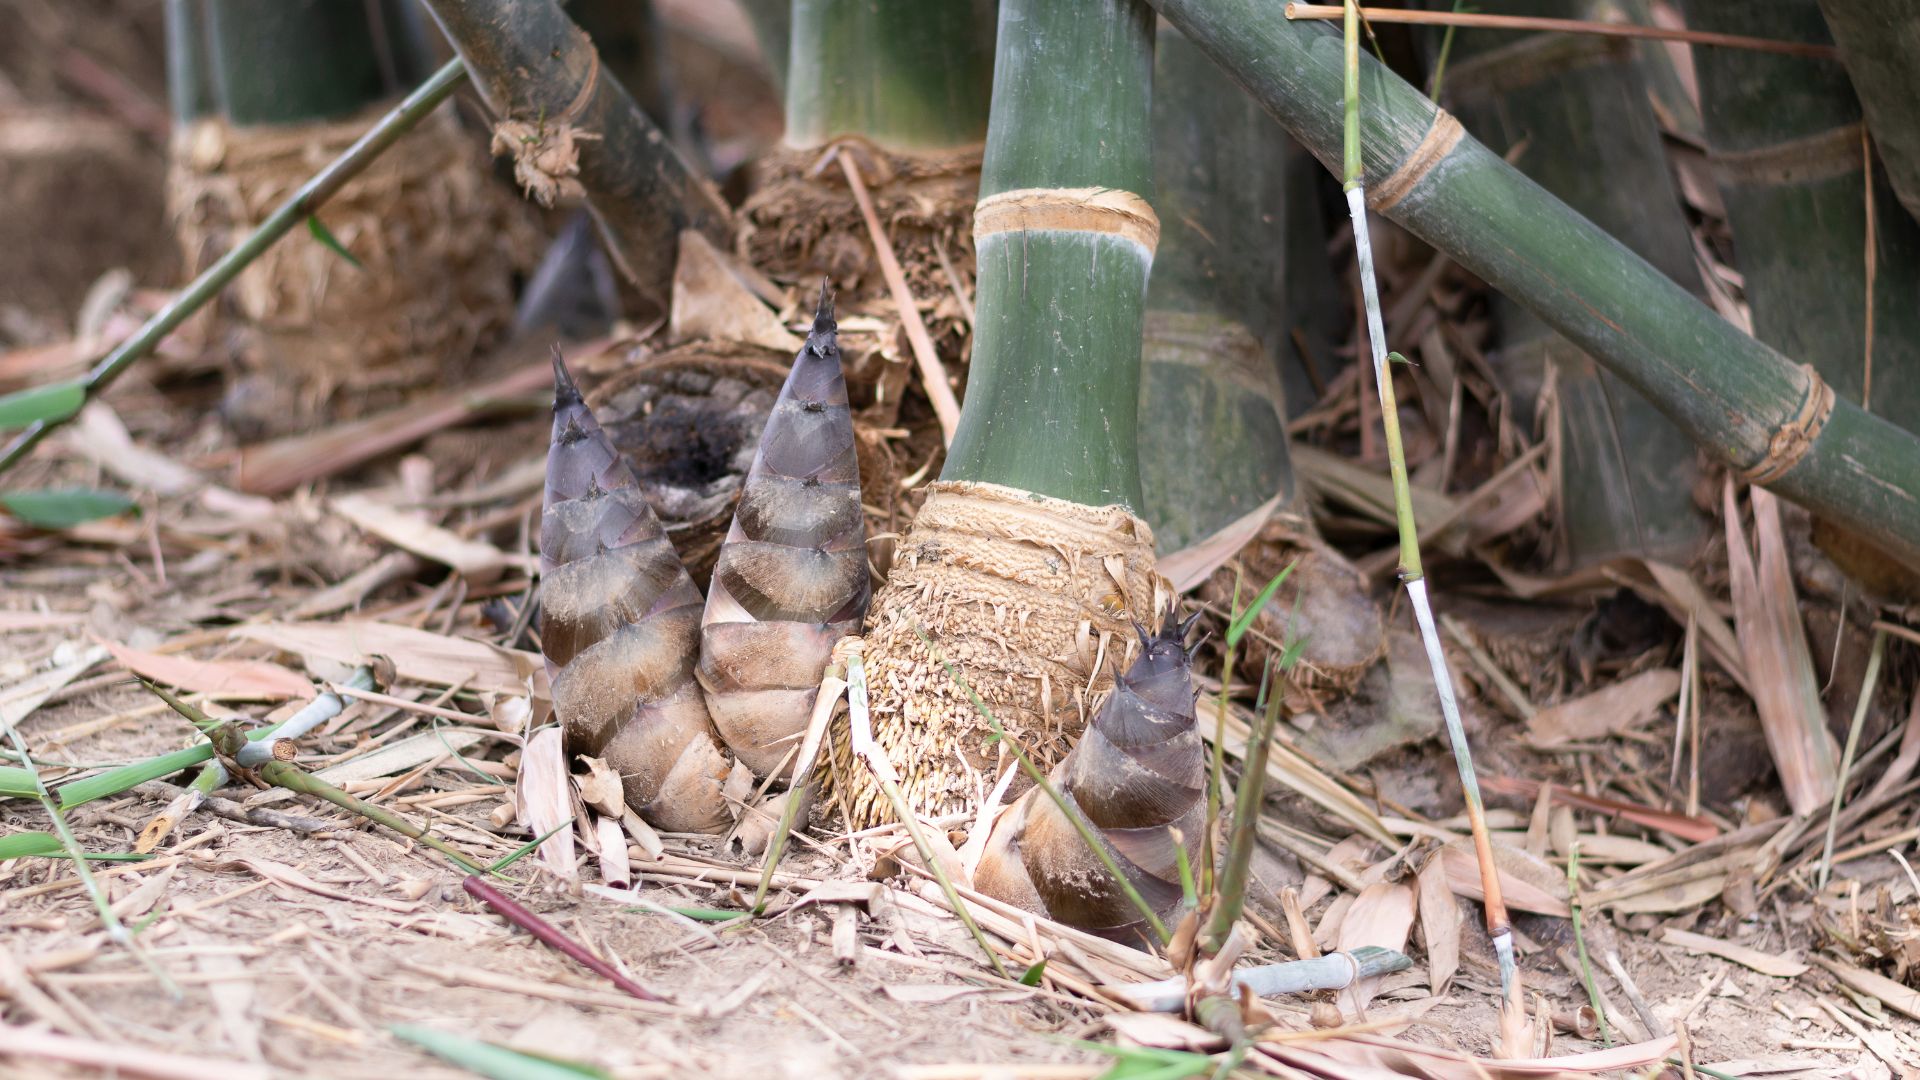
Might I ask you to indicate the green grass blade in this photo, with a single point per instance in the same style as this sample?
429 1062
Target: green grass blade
492 1060
320 232
55 401
16 783
63 508
21 845
1237 629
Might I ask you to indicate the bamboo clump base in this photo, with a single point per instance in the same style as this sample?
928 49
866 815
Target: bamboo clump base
438 240
1032 600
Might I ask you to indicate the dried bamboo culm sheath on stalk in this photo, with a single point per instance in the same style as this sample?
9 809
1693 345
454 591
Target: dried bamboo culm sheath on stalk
620 629
1577 107
792 578
1138 777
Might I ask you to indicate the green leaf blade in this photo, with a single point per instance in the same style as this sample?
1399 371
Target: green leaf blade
42 404
63 508
492 1060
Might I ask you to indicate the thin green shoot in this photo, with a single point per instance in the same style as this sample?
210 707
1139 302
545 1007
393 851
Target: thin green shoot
527 848
1446 49
1217 765
1034 974
1580 942
1867 686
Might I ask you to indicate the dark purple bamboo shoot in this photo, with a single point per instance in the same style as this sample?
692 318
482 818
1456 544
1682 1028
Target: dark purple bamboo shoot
1138 776
621 628
792 577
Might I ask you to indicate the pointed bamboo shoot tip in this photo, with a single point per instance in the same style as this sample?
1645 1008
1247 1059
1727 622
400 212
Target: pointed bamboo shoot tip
565 391
823 340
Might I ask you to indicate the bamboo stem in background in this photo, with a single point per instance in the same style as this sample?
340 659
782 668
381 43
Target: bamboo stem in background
1880 42
773 28
534 66
1561 26
1221 302
190 92
908 76
1354 181
1746 404
307 199
1576 113
1064 236
288 63
1786 142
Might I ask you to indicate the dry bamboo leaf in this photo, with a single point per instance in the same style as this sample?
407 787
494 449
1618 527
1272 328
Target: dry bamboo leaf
1162 1031
1685 597
1439 927
1680 896
1774 964
1400 1058
287 875
1894 995
474 560
600 787
1786 690
18 701
1381 915
409 753
710 300
1192 564
1609 848
1696 830
417 655
229 677
1610 711
1527 883
545 794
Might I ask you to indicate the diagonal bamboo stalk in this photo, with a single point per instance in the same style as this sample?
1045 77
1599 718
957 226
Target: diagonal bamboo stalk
299 206
1748 406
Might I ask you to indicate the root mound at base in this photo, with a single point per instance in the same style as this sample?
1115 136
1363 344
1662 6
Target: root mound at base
1027 596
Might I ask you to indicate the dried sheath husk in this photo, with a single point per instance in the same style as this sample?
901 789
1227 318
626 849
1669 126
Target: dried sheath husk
621 628
1138 777
792 574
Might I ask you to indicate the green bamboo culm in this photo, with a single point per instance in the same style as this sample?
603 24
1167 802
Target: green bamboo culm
1577 112
1880 42
1222 302
773 28
190 92
1787 153
536 67
1064 236
1741 401
908 76
293 62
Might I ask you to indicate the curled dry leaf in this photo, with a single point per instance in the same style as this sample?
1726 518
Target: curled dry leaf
600 787
1381 915
1618 708
1439 926
546 799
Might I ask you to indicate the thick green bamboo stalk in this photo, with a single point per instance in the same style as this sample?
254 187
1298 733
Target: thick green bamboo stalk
909 76
1744 403
283 63
1219 311
309 198
1787 142
1064 236
1577 108
1880 41
535 66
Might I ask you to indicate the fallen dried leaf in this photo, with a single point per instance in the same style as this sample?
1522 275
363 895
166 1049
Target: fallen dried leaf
230 677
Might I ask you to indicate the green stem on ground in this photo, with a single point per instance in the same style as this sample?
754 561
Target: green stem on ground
308 198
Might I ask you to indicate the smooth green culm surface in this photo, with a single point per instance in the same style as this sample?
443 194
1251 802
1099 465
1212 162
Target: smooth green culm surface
285 62
1880 41
1053 394
1786 139
1222 302
1731 394
909 76
1576 111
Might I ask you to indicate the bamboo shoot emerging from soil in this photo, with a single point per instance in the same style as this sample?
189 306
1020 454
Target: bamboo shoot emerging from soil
620 628
791 579
1880 41
909 76
561 117
1747 405
1578 110
1138 777
1787 141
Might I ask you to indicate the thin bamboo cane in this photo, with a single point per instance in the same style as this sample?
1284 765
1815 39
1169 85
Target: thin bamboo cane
1747 405
308 198
1064 236
536 67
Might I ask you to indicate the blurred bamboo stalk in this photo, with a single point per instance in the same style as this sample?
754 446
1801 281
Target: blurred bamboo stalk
1880 42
